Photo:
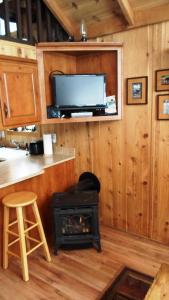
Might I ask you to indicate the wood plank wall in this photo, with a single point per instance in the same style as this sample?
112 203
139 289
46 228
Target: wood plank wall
17 49
160 145
131 157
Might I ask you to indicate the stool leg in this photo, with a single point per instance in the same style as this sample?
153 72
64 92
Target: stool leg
23 254
41 231
26 226
5 237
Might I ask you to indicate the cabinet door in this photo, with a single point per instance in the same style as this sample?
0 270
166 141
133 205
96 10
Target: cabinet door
19 93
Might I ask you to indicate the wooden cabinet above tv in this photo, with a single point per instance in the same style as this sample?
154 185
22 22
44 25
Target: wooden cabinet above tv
80 58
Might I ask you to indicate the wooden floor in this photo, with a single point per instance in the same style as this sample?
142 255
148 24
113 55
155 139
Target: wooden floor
82 274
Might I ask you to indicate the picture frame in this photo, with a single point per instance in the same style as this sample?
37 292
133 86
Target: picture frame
163 107
137 90
162 80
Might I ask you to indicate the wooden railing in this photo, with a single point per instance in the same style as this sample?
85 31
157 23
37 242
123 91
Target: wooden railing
160 287
33 20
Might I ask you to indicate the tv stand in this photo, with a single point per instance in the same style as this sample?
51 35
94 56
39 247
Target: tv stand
77 58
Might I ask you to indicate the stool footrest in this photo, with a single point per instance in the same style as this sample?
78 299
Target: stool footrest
14 254
13 223
32 239
34 248
28 221
13 242
31 227
13 233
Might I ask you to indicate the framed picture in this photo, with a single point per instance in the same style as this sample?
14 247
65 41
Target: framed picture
163 107
137 90
162 80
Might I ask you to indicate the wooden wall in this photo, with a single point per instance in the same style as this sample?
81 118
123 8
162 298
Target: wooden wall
17 49
131 157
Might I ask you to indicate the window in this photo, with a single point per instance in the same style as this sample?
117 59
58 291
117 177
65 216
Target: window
28 128
2 27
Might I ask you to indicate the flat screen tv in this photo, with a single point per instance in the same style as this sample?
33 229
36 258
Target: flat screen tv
78 91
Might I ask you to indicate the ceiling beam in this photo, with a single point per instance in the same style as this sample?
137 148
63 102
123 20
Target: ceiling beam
127 11
60 16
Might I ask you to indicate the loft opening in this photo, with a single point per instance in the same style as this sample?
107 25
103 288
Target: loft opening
30 22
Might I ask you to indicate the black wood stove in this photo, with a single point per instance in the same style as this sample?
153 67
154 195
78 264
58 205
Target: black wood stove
76 215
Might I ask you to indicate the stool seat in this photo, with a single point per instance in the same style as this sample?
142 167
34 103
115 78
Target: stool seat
19 199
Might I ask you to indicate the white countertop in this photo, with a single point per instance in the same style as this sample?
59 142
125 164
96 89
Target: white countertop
17 167
11 153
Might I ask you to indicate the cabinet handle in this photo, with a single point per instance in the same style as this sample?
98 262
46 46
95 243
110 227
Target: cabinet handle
5 110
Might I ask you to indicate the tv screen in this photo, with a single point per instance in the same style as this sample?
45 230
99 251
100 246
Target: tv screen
78 90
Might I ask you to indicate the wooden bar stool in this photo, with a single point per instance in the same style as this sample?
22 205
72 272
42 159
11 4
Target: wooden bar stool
19 201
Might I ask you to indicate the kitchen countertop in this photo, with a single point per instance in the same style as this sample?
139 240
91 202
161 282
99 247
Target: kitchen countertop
24 167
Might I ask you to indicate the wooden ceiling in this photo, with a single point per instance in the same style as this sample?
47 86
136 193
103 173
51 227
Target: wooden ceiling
104 17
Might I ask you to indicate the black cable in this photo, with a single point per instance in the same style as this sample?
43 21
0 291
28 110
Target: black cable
55 72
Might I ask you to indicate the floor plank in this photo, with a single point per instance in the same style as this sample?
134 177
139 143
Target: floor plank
82 274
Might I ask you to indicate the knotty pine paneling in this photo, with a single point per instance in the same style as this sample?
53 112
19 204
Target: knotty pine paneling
59 63
17 49
136 132
160 143
98 64
130 156
146 139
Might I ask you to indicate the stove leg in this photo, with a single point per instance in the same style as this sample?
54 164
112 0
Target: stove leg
56 251
97 246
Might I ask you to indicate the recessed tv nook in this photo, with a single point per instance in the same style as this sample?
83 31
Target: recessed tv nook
83 82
